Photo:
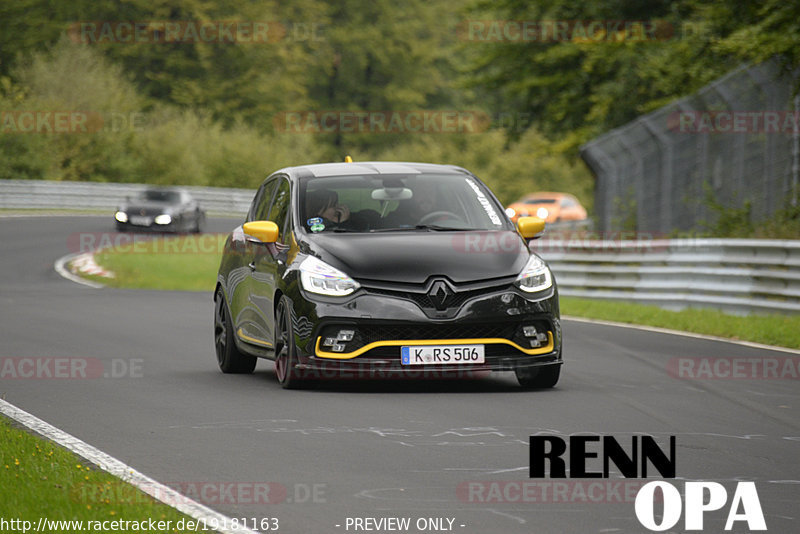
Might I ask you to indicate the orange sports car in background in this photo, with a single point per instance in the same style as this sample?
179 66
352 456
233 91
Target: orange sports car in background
552 207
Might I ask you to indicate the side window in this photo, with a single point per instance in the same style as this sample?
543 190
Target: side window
258 209
280 207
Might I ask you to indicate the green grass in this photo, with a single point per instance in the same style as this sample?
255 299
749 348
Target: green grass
781 330
40 479
185 263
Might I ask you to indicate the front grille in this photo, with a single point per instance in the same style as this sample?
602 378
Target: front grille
145 211
453 302
422 300
455 331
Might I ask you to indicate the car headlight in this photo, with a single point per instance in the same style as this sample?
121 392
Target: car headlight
535 276
319 277
121 216
162 219
510 212
542 213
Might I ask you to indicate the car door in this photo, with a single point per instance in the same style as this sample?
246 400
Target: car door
185 212
192 211
245 309
269 260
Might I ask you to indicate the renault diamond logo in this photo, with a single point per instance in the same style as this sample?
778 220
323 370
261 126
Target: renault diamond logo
439 293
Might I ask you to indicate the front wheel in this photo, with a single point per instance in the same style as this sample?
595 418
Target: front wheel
285 351
229 358
198 223
538 377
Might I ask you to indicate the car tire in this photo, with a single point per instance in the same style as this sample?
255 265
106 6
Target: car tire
285 350
538 377
198 223
229 358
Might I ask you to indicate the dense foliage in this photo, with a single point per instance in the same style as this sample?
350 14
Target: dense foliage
204 111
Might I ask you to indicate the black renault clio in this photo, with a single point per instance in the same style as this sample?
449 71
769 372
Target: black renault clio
384 269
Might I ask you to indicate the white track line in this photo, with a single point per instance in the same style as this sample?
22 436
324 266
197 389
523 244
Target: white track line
111 465
60 267
681 333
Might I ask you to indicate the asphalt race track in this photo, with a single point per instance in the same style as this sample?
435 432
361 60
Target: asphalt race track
358 448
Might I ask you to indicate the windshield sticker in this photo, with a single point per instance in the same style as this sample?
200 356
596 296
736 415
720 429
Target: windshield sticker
314 220
317 227
487 206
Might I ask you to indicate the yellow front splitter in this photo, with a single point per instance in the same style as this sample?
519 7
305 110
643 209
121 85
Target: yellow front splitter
408 342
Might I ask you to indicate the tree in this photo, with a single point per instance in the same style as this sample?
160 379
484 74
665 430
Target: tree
590 82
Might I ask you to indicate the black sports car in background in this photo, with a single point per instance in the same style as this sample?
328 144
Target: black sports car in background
379 269
163 210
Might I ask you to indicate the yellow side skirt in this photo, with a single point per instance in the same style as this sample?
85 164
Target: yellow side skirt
252 339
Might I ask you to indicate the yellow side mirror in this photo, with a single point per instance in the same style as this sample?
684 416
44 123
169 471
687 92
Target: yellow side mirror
264 231
530 227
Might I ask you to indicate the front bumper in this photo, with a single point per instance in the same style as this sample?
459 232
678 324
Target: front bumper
381 324
149 228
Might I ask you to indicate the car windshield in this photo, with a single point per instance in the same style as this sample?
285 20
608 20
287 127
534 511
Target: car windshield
172 197
386 203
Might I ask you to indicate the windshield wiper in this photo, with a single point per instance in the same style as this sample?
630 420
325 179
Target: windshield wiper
425 227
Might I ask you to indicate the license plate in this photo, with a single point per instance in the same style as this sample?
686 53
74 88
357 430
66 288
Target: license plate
140 221
441 354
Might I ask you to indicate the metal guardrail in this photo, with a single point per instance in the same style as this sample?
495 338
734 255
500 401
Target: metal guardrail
42 194
735 275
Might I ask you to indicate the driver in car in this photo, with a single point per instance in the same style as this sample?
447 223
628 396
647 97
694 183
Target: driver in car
411 212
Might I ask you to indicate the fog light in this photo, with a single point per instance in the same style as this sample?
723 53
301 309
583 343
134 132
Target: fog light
337 347
529 331
329 341
535 344
345 335
541 337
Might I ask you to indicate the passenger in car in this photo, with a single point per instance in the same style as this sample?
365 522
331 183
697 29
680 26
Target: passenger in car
324 203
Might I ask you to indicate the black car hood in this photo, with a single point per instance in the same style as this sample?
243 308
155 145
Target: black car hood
413 257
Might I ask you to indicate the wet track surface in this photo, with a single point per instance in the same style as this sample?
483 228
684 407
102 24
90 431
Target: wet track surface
369 448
